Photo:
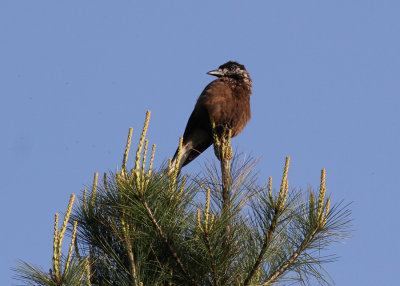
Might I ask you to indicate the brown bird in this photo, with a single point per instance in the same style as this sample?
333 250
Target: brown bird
227 101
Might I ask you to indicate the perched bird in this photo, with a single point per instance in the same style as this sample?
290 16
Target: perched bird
227 101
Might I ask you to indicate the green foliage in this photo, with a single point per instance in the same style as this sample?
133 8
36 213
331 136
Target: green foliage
66 270
154 227
33 275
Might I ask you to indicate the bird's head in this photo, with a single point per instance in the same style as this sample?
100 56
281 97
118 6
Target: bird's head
231 69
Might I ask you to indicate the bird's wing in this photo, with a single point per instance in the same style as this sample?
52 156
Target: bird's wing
198 134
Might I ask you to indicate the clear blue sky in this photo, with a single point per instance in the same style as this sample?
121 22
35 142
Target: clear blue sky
76 74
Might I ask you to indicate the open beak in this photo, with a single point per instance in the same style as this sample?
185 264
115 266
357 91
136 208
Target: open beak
217 73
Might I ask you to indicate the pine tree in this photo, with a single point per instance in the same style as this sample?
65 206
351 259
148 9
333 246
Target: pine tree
142 226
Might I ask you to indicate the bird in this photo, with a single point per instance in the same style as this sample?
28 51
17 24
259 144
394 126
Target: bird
225 101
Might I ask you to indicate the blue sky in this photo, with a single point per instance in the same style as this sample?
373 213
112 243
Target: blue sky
75 75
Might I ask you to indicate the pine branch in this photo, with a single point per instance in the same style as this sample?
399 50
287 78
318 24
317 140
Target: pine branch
212 256
131 259
223 151
266 243
225 171
279 206
172 250
292 259
205 229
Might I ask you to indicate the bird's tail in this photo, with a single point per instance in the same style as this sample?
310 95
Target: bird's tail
173 167
192 146
178 164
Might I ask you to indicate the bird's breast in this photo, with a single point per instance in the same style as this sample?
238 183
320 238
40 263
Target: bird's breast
227 101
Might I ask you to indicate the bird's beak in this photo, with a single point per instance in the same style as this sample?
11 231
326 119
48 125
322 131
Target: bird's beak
217 73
